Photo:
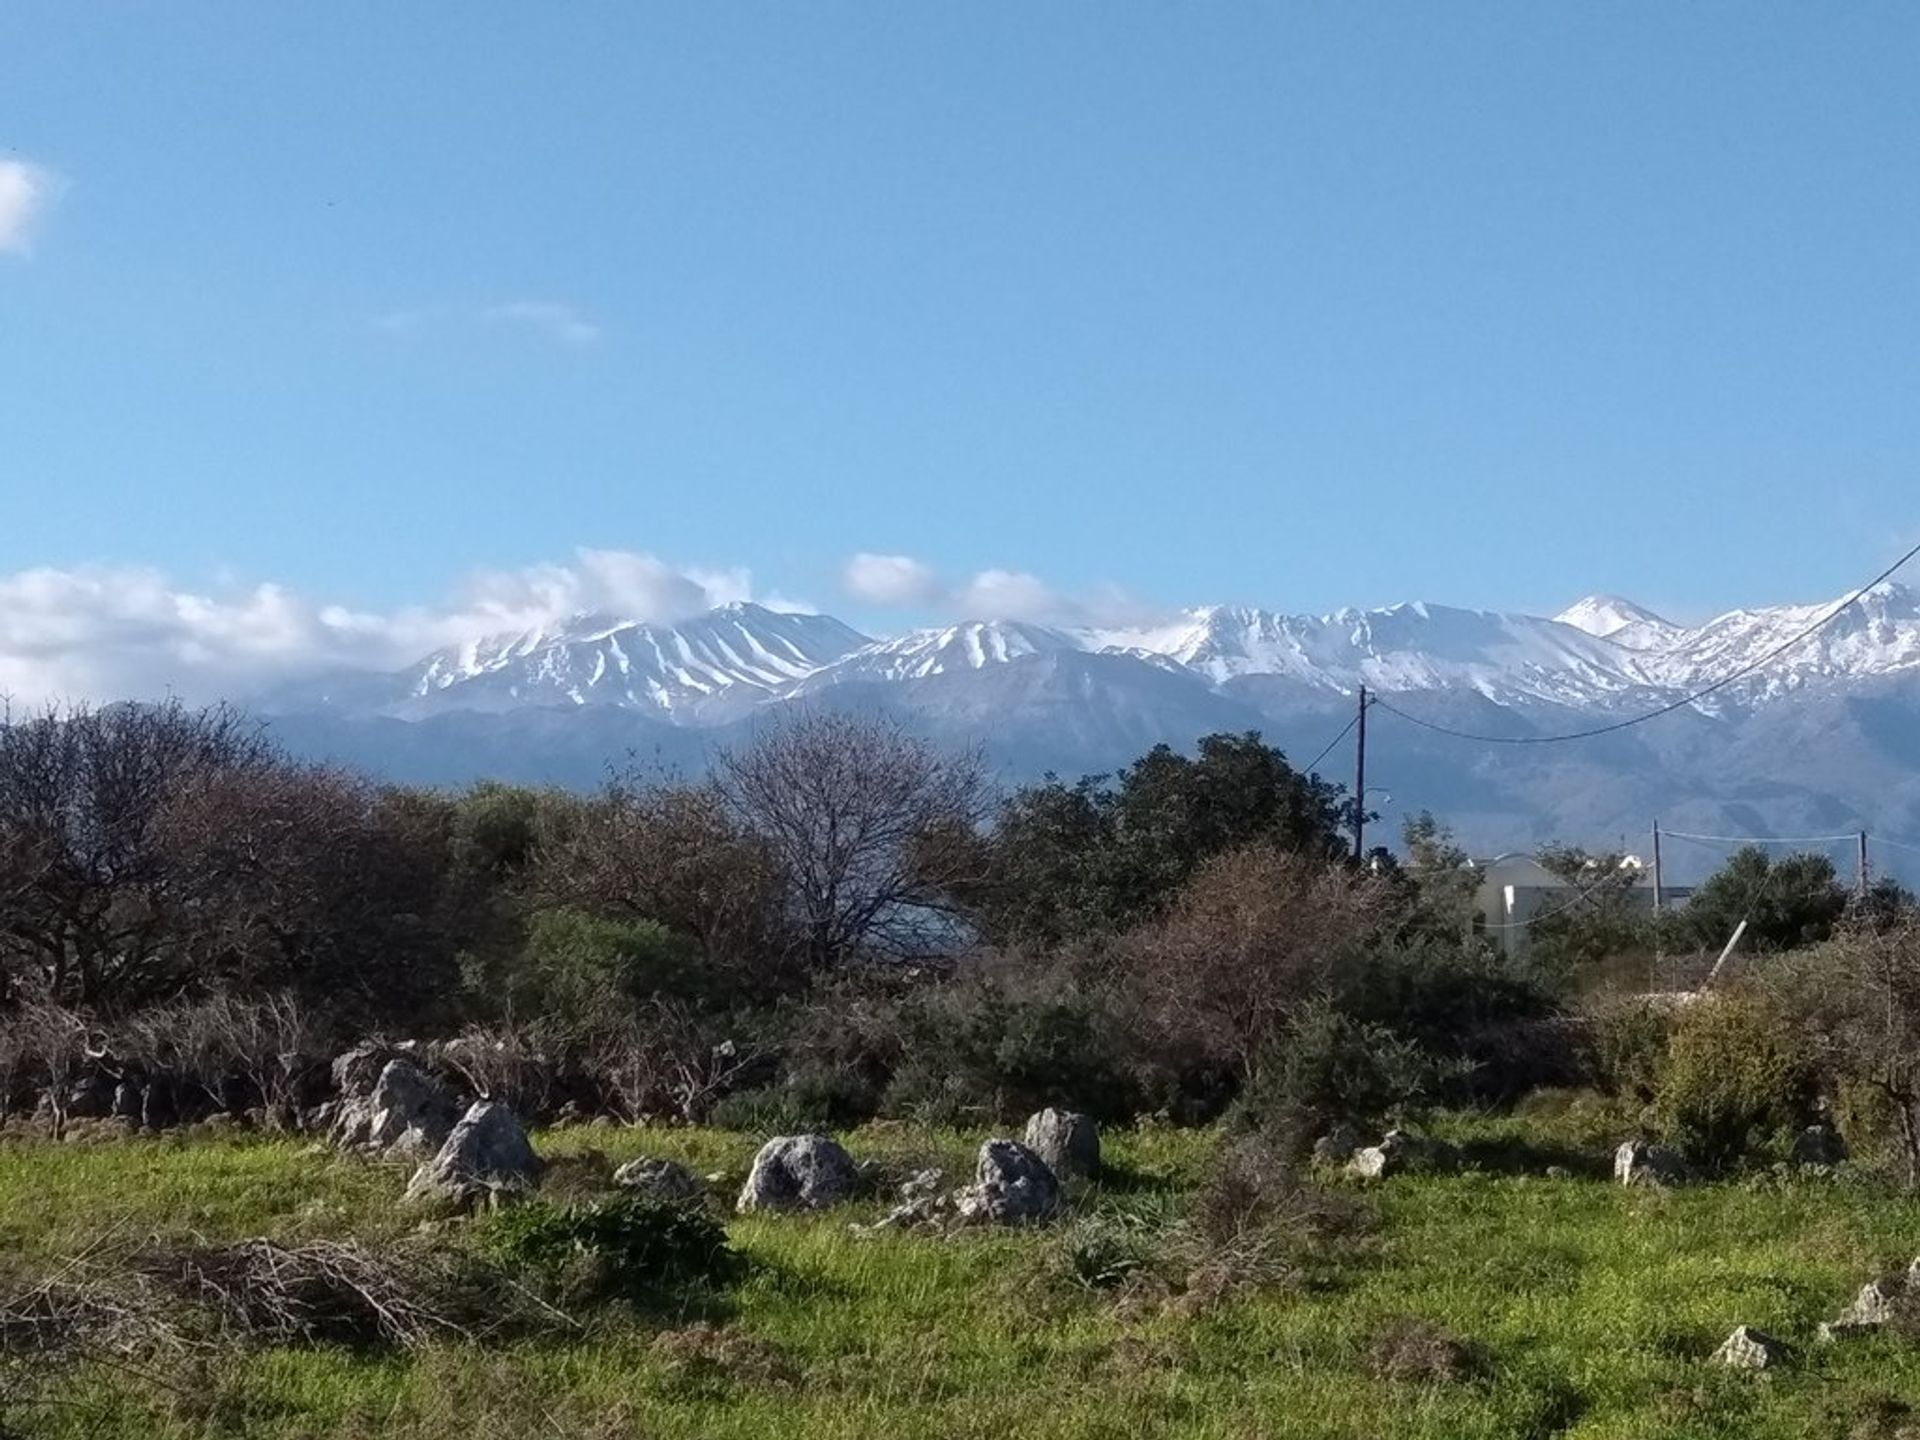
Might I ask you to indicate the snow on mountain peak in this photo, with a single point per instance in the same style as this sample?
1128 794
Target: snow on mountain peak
1605 616
1599 652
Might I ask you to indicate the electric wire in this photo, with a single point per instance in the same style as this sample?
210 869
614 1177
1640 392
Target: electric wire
1849 837
1725 680
1327 750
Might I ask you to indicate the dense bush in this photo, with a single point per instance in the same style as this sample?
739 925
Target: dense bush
1737 1082
643 1252
1009 1034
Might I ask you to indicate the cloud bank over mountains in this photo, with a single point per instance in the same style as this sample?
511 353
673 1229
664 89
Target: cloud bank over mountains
107 632
103 633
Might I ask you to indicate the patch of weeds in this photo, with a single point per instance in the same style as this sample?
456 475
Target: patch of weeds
1868 1414
1410 1349
576 1178
1106 1251
708 1362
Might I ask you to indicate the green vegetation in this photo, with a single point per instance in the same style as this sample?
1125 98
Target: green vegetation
842 928
1586 1309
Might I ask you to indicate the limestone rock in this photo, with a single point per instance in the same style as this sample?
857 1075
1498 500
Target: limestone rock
408 1113
1011 1186
1396 1152
1749 1349
485 1156
798 1172
1640 1162
356 1071
1068 1142
923 1183
659 1179
1871 1309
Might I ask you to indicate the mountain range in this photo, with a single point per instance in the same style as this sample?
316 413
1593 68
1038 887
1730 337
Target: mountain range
1822 738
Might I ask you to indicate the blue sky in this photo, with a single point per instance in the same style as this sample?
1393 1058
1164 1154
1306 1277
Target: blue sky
1290 305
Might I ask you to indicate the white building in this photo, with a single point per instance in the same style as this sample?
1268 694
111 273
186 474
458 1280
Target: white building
1517 889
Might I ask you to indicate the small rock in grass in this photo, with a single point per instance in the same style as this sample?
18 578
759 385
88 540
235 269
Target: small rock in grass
659 1179
1749 1349
1871 1310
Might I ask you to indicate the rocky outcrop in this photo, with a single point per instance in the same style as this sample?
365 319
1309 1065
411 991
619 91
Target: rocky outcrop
486 1156
1067 1141
406 1113
660 1180
798 1172
1011 1186
1873 1308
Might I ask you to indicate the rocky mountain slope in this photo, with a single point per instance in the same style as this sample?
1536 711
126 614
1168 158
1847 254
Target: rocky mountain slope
1826 735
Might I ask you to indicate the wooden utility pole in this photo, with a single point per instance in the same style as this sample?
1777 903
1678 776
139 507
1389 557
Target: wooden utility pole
1864 868
1360 784
1656 867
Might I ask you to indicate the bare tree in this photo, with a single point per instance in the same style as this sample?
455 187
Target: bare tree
675 855
668 1057
872 828
86 881
310 880
1253 938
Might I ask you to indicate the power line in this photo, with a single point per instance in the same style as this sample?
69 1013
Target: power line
1725 680
1850 836
1345 730
1585 897
1897 844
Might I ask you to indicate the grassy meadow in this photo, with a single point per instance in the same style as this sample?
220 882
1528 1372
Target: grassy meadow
1587 1309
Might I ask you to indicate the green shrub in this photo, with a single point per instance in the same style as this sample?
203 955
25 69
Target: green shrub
1628 1047
576 965
1009 1035
1737 1081
630 1248
1332 1067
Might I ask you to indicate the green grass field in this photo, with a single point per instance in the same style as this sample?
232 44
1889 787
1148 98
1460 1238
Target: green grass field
1593 1310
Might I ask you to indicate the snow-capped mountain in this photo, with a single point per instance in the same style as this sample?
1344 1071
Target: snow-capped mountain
705 668
1601 653
969 646
1402 647
1608 617
1824 735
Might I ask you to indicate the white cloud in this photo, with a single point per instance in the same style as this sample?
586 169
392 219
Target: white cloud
25 191
1009 595
890 580
903 582
104 633
547 317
